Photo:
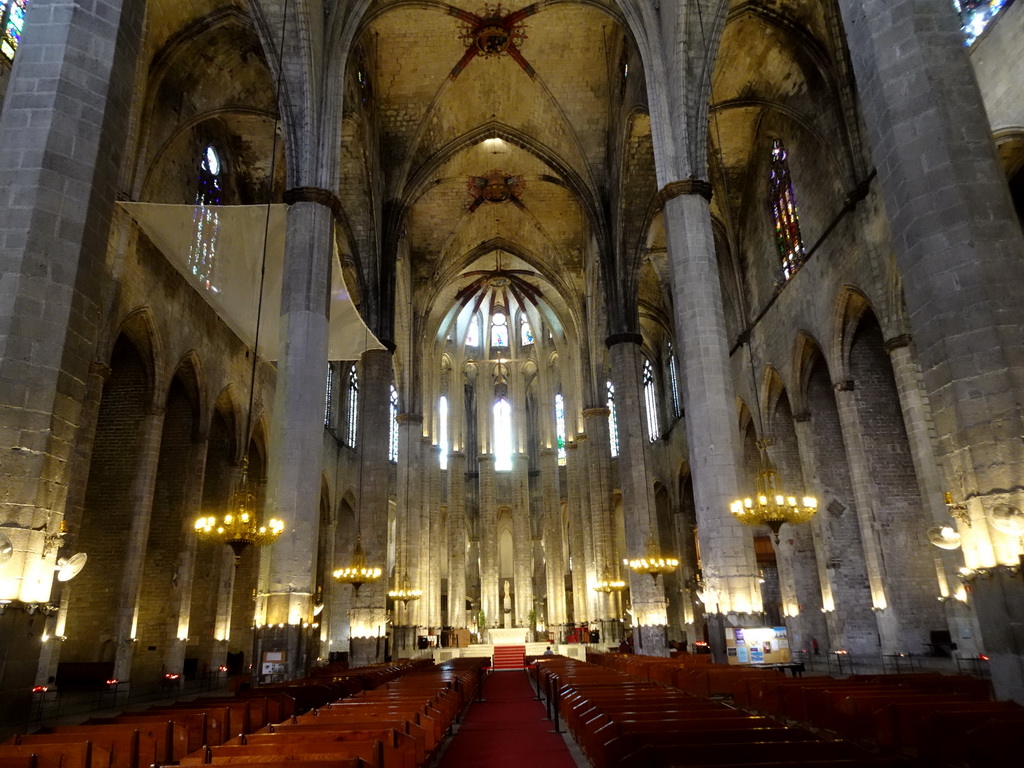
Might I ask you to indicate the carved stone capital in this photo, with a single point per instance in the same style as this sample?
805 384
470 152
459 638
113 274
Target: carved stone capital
623 338
685 187
588 412
897 342
846 385
323 197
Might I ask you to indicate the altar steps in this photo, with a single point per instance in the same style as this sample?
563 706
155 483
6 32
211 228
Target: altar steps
509 657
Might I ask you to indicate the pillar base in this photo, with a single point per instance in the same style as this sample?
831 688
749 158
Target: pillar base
364 651
282 653
651 641
20 636
998 599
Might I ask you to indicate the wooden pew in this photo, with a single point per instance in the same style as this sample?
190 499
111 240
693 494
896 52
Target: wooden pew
170 740
370 751
77 755
127 747
415 733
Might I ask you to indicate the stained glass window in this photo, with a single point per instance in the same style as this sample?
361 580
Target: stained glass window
442 430
499 330
784 215
613 421
525 332
12 23
329 396
975 15
352 408
651 401
202 259
473 334
673 381
502 436
393 428
560 427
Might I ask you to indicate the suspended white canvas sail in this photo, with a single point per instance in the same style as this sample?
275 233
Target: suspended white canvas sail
234 288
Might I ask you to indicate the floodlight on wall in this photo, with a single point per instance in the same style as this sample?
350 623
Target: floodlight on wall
68 568
944 537
1007 519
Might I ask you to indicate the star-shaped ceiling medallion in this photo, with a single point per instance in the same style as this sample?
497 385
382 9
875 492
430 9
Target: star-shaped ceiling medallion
495 186
493 33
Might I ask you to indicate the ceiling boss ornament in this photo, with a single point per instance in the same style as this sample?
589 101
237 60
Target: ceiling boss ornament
491 33
495 186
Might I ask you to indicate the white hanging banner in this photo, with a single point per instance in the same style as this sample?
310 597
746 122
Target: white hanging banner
235 280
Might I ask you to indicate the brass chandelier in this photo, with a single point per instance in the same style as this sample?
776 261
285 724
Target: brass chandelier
357 572
770 504
404 591
609 583
239 526
653 562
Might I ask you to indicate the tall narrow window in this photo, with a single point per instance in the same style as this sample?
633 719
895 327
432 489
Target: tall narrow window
202 259
442 430
499 330
473 334
651 401
975 15
784 215
329 395
525 332
613 421
393 426
352 407
12 22
560 427
673 381
502 436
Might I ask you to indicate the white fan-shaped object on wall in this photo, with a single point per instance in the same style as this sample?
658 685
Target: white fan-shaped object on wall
6 550
1007 519
944 537
68 568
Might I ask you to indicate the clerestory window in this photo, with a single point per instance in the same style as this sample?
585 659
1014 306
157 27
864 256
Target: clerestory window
784 214
12 22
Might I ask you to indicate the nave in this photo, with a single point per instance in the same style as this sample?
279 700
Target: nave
618 711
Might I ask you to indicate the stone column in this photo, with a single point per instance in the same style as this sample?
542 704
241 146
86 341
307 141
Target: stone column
63 130
408 526
650 612
552 532
958 245
597 476
150 434
174 661
296 428
727 554
369 602
522 532
457 543
490 602
433 542
577 528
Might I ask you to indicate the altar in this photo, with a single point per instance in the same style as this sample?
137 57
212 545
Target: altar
510 636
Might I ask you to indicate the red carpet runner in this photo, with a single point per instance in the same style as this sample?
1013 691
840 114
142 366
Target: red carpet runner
507 730
509 656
